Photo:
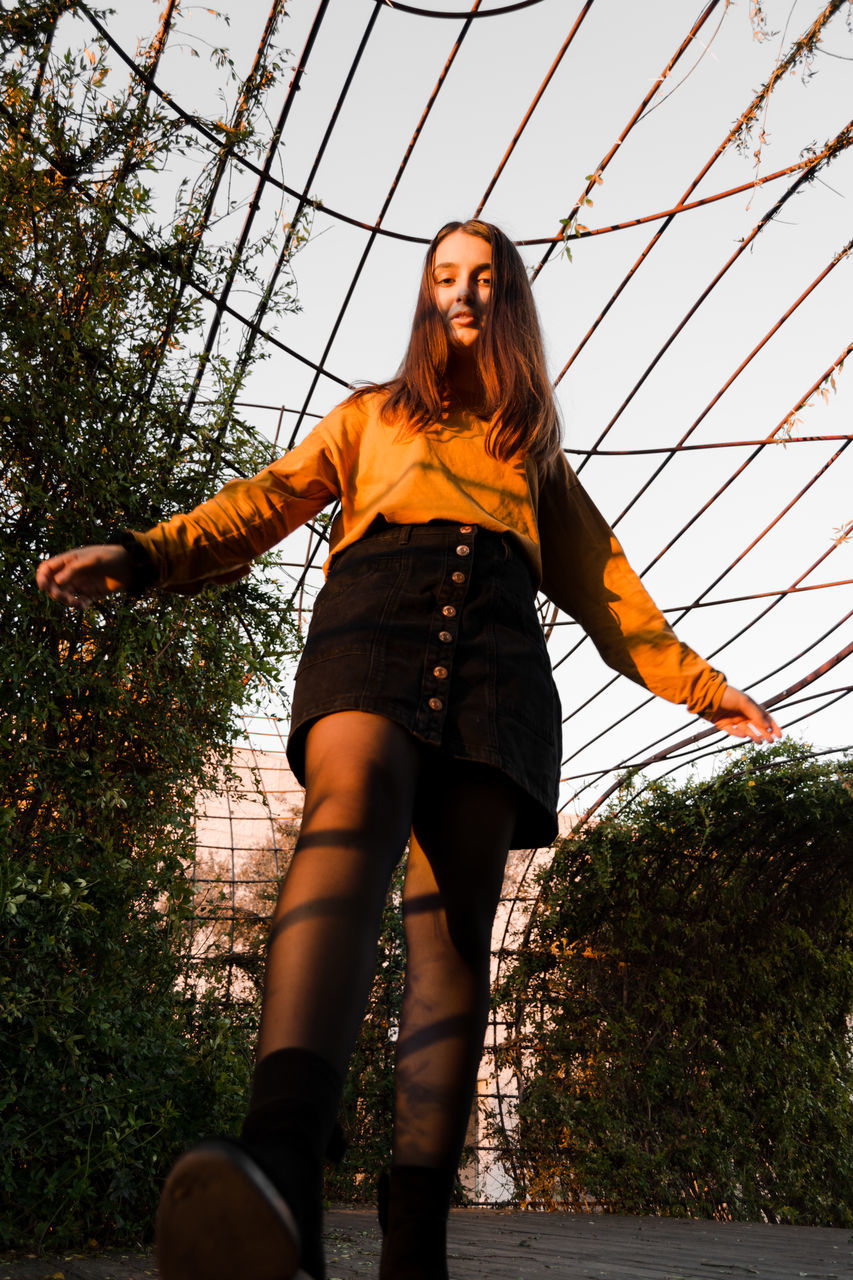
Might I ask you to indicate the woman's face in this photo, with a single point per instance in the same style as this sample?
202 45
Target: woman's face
462 282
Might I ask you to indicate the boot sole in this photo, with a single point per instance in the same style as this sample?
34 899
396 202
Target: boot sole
221 1218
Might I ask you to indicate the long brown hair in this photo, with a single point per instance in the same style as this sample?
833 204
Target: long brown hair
517 392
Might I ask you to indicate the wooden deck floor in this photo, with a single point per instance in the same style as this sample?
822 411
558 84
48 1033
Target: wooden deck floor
490 1245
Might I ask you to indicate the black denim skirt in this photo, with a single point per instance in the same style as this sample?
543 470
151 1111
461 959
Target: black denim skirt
435 627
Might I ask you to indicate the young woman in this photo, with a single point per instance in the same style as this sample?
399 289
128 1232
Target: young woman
424 711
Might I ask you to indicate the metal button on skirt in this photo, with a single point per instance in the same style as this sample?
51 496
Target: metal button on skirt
435 627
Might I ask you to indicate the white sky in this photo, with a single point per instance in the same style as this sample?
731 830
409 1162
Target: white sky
618 52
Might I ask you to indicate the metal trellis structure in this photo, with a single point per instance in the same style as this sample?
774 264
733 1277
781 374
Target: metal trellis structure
727 318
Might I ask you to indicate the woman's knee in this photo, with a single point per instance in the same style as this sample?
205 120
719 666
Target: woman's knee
447 918
463 823
471 936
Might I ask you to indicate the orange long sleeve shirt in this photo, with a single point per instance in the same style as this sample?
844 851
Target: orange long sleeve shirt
444 472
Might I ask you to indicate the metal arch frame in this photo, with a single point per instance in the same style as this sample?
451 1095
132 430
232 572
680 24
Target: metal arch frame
399 7
686 750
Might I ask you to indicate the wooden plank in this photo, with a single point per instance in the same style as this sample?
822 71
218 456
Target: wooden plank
487 1244
495 1245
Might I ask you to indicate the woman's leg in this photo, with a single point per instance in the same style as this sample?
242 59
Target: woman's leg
254 1209
361 775
361 778
464 816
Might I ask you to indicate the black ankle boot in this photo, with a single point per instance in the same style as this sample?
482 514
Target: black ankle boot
252 1207
289 1129
413 1206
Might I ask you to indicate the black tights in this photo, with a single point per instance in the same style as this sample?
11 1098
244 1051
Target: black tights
368 786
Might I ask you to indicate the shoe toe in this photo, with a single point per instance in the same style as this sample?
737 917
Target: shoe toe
221 1218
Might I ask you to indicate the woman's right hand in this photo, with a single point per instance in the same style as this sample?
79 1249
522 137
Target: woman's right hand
82 575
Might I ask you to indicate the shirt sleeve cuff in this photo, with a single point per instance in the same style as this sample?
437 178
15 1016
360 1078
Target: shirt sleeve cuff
143 570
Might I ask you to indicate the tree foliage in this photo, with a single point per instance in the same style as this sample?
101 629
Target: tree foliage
681 1012
112 719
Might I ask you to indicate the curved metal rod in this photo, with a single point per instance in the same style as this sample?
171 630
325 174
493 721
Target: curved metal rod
731 639
839 143
389 233
304 201
534 104
595 177
753 595
238 251
687 757
774 433
448 13
775 701
596 775
688 608
686 448
743 122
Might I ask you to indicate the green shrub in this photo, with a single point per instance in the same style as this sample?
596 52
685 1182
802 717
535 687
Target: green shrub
112 1074
111 720
681 1013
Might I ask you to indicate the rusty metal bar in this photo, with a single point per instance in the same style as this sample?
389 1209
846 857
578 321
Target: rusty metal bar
254 204
304 201
686 448
534 104
596 176
812 34
841 141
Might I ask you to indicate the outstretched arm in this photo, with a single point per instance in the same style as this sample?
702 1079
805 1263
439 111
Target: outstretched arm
738 715
585 572
85 574
212 545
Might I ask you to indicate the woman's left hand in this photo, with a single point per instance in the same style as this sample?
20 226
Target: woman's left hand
738 715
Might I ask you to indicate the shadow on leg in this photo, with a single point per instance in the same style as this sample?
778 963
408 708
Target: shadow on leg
464 817
361 776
